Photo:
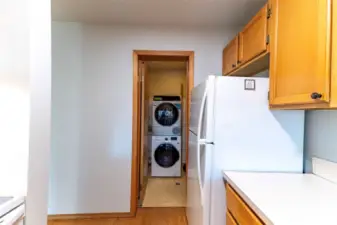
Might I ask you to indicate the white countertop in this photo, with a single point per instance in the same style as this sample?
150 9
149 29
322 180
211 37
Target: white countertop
286 198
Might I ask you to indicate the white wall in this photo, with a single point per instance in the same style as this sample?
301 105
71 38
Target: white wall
25 72
93 169
320 136
14 97
165 81
66 102
39 137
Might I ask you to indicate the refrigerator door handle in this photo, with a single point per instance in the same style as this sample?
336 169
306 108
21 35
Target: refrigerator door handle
200 142
205 142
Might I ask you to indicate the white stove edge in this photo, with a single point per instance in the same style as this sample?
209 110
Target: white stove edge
325 169
14 216
251 204
16 202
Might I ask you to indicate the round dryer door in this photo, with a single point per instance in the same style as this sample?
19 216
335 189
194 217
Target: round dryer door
166 155
166 114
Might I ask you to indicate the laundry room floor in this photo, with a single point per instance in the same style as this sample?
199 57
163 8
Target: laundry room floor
165 192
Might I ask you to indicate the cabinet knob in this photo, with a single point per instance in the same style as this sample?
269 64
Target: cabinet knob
316 95
233 65
239 61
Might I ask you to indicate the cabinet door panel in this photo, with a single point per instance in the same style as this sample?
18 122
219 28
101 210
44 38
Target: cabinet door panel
253 37
333 94
230 56
229 219
300 38
240 211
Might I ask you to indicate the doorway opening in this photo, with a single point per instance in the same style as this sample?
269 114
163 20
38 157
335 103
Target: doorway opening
162 83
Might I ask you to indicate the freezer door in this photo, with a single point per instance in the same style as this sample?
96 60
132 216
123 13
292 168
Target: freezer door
196 99
202 101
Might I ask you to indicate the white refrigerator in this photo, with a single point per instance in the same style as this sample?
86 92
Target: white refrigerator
232 128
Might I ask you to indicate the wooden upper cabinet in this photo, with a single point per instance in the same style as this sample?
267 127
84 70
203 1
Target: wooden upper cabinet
253 38
250 48
333 80
300 52
229 219
230 56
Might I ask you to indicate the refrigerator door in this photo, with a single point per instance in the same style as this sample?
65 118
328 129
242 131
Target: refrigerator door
198 182
200 155
194 206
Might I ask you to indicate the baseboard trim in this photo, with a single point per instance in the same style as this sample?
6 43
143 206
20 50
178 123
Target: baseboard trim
89 216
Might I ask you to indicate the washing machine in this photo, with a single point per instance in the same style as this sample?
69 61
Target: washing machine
166 156
166 115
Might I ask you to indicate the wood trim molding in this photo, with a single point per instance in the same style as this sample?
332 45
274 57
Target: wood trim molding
163 53
87 216
135 137
190 85
152 55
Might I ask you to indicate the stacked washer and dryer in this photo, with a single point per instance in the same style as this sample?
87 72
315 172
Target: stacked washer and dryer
166 136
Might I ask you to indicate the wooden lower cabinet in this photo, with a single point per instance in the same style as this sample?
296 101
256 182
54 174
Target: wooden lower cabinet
239 210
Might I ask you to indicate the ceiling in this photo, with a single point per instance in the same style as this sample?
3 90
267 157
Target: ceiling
215 13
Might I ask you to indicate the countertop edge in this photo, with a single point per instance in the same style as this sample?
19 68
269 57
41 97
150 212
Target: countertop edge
249 202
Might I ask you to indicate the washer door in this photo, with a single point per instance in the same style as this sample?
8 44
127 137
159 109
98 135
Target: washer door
166 155
166 114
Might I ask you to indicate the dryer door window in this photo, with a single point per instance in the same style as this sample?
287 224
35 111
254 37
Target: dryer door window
166 155
166 114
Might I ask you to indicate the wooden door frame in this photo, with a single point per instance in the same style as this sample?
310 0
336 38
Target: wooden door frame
149 55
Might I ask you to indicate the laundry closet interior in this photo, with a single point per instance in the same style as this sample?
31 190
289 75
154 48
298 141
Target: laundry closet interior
163 92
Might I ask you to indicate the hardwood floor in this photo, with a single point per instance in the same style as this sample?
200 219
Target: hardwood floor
145 216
